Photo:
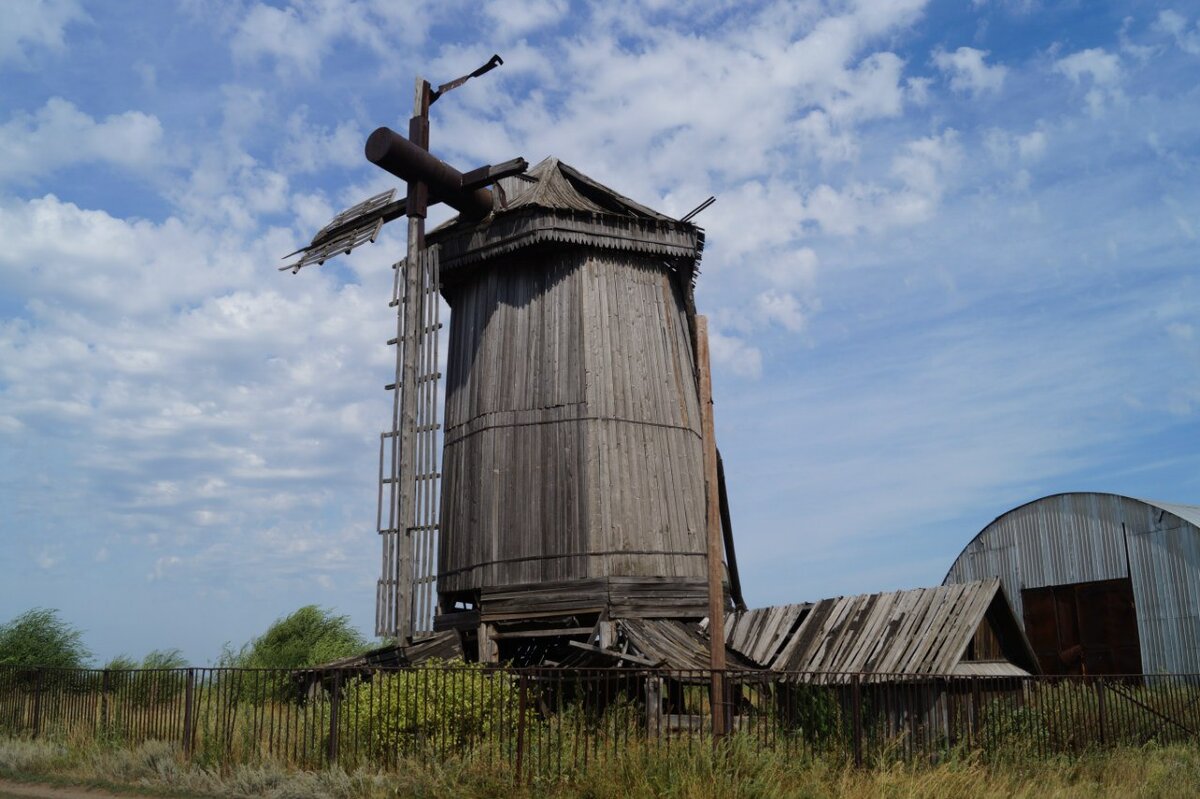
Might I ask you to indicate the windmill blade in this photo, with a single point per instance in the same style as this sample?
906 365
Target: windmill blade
357 225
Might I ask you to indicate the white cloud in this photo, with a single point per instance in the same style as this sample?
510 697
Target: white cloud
1174 24
732 353
59 135
968 72
1097 69
781 308
1003 145
310 148
1103 68
32 24
513 18
298 38
1181 331
792 268
162 566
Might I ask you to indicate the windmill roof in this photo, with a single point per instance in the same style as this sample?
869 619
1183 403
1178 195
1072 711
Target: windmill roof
554 203
553 184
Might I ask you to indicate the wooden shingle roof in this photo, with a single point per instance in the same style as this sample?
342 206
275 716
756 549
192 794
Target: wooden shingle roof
922 631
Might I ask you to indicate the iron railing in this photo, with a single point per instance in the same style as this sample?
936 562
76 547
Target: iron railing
545 723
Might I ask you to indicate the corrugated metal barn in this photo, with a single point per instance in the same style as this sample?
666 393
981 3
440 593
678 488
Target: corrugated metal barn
1103 584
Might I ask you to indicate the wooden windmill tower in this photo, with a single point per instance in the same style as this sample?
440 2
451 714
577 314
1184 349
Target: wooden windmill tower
581 479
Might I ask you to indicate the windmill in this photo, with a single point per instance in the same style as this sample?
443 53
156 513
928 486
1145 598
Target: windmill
409 472
583 516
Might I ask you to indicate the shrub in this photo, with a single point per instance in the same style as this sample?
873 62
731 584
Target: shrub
448 704
309 637
38 637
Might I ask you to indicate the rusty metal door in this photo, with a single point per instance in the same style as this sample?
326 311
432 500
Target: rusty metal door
1084 628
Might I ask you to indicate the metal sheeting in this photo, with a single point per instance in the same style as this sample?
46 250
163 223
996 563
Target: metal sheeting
1083 537
922 631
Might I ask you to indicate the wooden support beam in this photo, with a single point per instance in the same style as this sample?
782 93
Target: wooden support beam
489 650
543 633
654 711
716 592
616 655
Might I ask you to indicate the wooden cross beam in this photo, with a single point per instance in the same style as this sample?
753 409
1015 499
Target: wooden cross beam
429 179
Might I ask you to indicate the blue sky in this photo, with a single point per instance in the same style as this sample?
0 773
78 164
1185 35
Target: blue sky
952 267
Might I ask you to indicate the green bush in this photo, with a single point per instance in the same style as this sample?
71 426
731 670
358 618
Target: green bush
443 704
38 637
309 637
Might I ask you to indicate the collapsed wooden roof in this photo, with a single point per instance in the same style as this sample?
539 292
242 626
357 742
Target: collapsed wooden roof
669 644
925 631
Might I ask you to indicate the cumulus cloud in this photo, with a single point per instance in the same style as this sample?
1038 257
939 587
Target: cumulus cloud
218 419
513 18
33 24
1005 146
1175 25
782 308
733 353
1098 70
298 38
59 134
968 72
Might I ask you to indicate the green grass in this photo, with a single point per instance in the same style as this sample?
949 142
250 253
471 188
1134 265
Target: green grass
740 772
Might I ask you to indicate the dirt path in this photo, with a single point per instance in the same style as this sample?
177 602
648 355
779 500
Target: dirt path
34 790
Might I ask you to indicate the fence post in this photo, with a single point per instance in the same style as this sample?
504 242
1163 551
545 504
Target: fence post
105 687
976 714
856 704
653 706
1100 709
334 707
189 718
521 726
37 701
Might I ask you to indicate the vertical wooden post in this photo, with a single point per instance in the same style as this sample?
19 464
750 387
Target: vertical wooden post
608 634
716 592
489 648
418 131
189 713
654 688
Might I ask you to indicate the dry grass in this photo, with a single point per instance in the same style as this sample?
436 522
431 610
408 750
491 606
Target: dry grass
741 773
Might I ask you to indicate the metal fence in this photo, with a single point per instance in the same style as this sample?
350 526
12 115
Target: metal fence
543 723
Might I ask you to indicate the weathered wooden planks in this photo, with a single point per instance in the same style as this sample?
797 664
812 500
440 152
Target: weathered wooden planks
922 631
572 446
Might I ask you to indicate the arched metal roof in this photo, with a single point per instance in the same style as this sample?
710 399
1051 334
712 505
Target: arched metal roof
1187 513
1075 538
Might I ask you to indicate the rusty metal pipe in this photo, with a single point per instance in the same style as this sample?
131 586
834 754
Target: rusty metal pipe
389 150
